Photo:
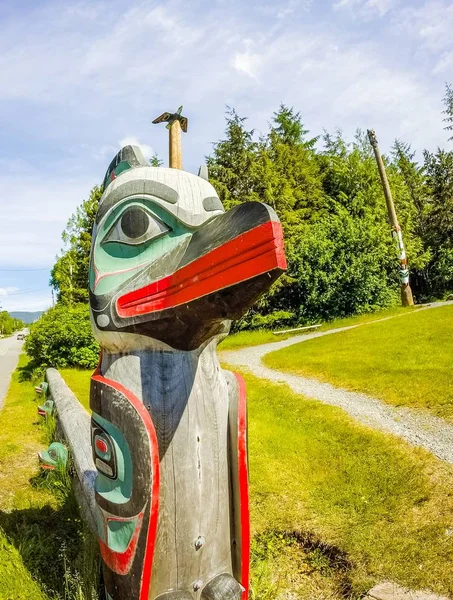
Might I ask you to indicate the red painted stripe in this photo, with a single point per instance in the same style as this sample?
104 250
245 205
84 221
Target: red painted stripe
253 253
243 485
154 451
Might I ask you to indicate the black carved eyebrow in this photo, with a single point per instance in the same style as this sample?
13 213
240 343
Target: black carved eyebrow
212 203
136 188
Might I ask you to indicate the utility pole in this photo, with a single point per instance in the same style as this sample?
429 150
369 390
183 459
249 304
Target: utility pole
406 292
176 124
70 283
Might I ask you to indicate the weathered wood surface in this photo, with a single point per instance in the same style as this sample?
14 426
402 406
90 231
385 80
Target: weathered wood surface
169 270
190 399
175 145
74 423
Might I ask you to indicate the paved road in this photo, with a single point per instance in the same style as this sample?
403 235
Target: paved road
10 348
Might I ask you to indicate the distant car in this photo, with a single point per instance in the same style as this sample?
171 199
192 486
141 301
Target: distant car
20 336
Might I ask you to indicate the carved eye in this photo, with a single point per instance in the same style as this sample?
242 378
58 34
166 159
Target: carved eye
136 226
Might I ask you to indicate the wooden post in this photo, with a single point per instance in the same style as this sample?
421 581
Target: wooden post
175 145
176 124
406 292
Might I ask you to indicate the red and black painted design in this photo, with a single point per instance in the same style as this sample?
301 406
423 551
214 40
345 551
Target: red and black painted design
127 573
229 262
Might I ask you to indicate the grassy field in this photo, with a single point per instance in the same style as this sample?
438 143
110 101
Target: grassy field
261 336
337 507
41 536
79 382
405 361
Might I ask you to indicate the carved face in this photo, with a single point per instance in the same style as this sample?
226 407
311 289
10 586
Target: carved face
168 263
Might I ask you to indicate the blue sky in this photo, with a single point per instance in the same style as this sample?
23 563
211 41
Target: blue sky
80 79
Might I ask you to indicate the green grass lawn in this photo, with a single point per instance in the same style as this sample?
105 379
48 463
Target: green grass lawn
335 506
41 536
20 439
79 382
405 361
243 339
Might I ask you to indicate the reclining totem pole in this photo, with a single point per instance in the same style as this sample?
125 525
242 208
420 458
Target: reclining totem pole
169 271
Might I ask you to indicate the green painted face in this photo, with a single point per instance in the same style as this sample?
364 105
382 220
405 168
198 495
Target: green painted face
132 234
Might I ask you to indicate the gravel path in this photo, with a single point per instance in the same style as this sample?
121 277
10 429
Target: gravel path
417 427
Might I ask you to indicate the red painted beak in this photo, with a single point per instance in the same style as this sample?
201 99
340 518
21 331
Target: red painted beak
254 252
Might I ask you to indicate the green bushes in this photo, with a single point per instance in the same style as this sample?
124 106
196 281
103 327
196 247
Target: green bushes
8 324
340 266
62 338
253 320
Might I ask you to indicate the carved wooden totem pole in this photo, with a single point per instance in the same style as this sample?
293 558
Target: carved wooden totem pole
169 270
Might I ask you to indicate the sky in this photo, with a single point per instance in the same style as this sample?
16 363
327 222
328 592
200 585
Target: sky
80 79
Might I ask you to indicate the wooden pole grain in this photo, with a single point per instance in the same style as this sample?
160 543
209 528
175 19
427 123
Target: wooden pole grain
175 145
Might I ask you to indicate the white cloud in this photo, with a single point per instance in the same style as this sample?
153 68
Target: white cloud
247 62
30 302
366 9
291 7
34 213
431 23
11 289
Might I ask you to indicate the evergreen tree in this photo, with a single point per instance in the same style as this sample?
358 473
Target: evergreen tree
448 108
69 276
439 236
288 177
231 164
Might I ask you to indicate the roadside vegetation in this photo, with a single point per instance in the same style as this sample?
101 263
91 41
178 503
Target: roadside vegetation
62 337
404 361
46 552
9 324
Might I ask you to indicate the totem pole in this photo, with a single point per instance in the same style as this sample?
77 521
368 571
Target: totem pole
169 271
403 271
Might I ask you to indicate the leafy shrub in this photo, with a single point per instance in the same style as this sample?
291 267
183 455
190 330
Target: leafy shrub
62 337
253 320
340 266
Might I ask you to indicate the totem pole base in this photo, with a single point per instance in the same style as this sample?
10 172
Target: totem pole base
406 295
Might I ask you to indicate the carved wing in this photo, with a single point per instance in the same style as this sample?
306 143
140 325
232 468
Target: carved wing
184 122
163 117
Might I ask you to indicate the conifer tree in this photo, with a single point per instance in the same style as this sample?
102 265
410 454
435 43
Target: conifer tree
448 108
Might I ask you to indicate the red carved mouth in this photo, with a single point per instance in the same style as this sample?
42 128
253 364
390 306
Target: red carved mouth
248 255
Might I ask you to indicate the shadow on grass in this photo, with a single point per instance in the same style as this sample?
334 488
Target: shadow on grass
31 371
325 564
55 546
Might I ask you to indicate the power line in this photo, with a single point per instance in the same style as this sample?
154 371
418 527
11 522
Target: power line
23 270
26 292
